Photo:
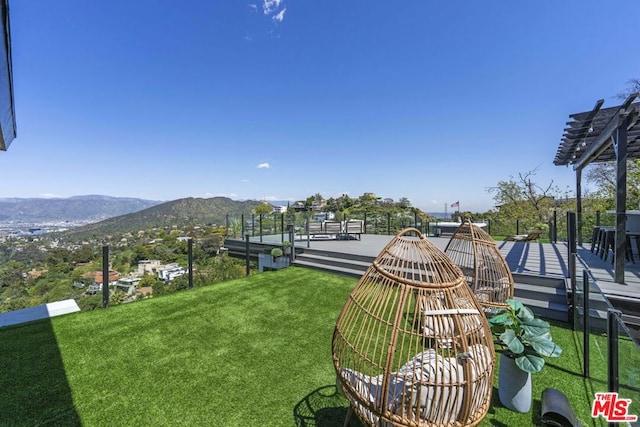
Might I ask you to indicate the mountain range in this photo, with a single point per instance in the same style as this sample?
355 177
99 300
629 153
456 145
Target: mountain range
77 209
182 212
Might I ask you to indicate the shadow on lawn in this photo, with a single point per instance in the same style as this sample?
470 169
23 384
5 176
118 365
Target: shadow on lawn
323 407
34 386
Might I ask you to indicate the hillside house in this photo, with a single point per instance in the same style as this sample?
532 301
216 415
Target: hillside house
170 272
148 266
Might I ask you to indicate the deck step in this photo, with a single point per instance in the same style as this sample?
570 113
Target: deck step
356 273
546 309
334 261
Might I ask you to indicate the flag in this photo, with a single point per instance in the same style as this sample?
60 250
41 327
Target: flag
456 204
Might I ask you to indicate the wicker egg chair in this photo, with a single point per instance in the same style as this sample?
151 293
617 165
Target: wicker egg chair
476 253
412 346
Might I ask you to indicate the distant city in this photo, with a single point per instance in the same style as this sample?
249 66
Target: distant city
19 228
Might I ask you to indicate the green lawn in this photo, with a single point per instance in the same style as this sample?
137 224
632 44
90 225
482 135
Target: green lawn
249 352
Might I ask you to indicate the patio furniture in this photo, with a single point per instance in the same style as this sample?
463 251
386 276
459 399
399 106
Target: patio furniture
354 227
529 237
412 346
609 244
485 269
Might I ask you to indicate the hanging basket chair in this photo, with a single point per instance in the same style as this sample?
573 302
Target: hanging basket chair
412 346
485 269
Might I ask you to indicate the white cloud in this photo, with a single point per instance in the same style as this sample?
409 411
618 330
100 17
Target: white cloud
270 6
50 196
253 7
264 165
279 17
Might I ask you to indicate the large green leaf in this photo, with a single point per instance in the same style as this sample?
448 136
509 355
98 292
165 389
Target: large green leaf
525 314
530 363
510 339
536 328
501 319
545 346
515 305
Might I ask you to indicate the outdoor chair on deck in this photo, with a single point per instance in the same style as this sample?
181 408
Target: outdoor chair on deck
412 346
485 269
529 237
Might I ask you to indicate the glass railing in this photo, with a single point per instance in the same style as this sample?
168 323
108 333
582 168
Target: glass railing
608 350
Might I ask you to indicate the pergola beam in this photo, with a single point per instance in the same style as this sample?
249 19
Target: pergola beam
603 140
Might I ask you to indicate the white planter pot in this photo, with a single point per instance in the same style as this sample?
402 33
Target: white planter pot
514 385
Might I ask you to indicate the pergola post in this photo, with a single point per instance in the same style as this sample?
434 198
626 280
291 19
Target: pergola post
579 205
620 146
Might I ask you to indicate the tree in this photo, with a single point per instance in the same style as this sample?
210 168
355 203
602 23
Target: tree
522 197
633 86
404 203
603 175
263 208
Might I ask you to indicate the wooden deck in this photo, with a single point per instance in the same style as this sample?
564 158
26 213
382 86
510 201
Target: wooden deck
542 259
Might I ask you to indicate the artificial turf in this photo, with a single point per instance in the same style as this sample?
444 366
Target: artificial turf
248 352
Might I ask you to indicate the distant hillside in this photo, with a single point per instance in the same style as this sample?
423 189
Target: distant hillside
82 209
182 212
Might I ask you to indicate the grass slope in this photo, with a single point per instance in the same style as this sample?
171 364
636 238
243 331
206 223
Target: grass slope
254 351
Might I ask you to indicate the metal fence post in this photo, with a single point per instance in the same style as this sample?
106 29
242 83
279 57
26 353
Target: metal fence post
586 323
260 227
517 225
246 253
190 258
388 224
105 276
307 227
281 227
365 223
612 348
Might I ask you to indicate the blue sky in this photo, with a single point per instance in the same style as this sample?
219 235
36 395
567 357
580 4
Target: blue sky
433 101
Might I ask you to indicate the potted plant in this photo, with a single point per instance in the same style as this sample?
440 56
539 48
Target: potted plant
286 247
524 341
276 253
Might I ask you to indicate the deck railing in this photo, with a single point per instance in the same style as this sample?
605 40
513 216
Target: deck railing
603 334
610 352
257 225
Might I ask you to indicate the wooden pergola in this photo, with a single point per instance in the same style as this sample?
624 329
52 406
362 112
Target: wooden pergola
598 136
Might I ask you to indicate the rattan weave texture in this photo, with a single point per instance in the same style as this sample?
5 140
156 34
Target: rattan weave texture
485 269
412 346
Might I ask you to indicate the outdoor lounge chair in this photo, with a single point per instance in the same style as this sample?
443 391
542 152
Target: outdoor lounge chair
531 236
412 345
485 269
